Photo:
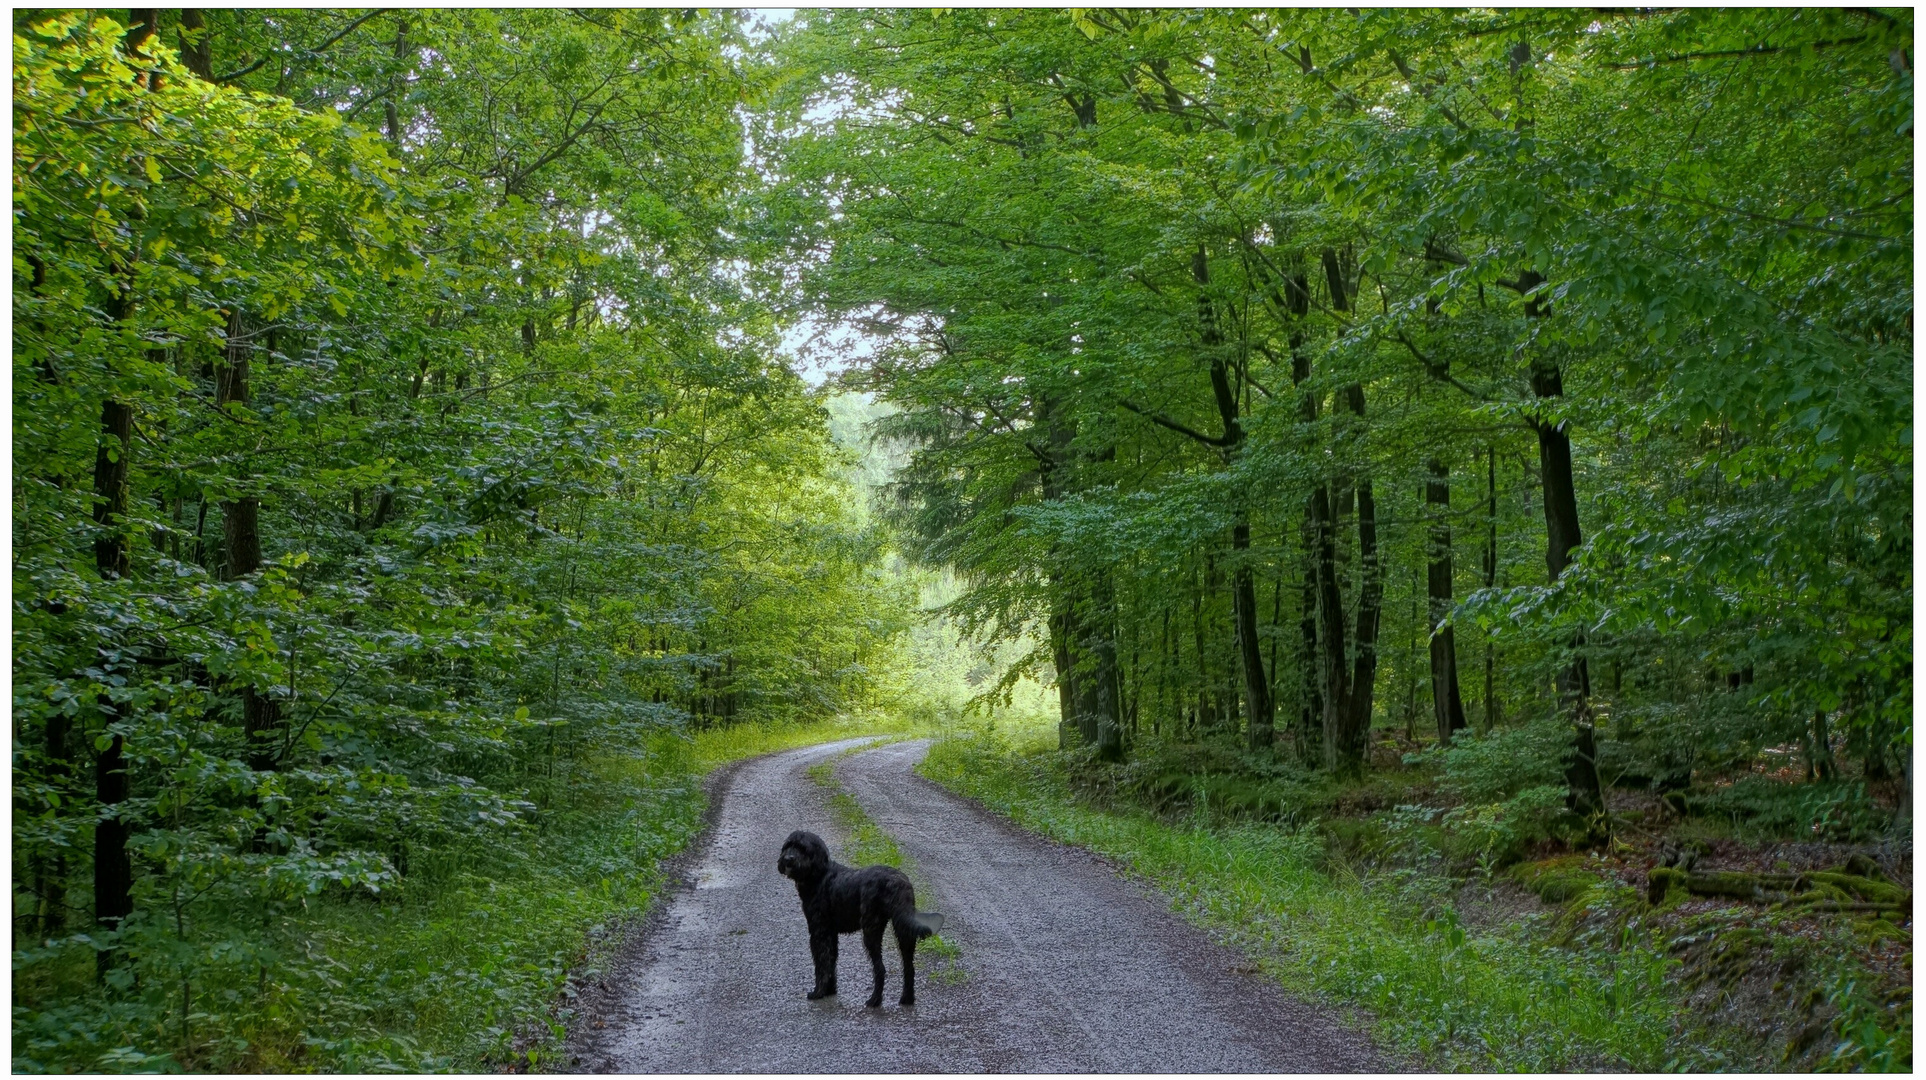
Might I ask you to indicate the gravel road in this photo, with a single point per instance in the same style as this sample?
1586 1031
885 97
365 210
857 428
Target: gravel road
1065 965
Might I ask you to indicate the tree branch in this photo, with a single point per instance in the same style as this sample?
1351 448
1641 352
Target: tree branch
1164 421
323 47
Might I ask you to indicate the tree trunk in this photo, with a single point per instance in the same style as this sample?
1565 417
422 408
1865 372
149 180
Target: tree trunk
1062 637
197 49
391 112
1310 713
241 529
50 871
1491 581
1200 716
1053 459
1447 705
1364 675
1330 632
1562 537
110 488
113 868
1102 712
1255 681
1347 694
1819 760
1257 684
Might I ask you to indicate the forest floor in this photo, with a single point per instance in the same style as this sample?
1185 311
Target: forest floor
1556 963
1051 960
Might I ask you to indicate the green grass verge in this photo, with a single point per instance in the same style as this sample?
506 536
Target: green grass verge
1449 996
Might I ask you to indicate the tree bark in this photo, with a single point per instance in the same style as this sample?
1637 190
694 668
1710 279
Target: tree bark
1102 710
1364 672
1491 581
1562 537
1297 302
1053 459
1447 705
1256 682
197 49
241 529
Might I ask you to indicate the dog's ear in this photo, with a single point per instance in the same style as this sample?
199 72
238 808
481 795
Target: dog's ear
815 850
809 849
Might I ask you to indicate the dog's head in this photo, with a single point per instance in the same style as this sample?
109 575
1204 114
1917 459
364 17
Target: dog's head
804 856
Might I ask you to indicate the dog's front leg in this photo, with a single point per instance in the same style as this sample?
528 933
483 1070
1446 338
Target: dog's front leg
822 947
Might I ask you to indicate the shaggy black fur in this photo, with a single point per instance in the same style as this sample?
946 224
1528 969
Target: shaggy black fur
838 899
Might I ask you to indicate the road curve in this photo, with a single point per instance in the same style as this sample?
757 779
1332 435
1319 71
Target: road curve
1067 967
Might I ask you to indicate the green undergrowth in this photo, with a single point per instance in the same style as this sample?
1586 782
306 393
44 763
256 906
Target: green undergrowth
1442 992
459 968
869 845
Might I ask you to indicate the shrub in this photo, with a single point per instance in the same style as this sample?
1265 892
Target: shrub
1821 810
1556 881
1493 768
1229 781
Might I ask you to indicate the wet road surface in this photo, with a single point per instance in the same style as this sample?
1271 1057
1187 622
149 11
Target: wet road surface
1065 966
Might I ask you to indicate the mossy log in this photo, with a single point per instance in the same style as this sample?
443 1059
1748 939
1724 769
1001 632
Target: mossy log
1862 888
1820 890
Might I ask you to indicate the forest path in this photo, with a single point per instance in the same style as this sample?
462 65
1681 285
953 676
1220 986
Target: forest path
1066 966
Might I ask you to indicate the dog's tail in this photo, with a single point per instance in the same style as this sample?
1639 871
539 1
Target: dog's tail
921 923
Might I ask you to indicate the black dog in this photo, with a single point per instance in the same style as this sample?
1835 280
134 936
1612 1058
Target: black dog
838 899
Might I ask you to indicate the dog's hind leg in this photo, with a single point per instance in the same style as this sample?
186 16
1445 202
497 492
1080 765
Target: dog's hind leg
873 942
906 944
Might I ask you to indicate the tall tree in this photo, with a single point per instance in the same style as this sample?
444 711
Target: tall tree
1447 705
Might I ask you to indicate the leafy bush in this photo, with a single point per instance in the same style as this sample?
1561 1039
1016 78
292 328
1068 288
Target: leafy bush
1820 810
1510 786
1492 834
1493 768
1228 780
1556 881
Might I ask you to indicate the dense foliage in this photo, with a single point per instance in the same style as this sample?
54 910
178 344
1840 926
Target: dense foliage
1291 374
394 452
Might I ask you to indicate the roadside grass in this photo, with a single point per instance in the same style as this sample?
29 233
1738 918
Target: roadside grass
1439 991
869 845
459 968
